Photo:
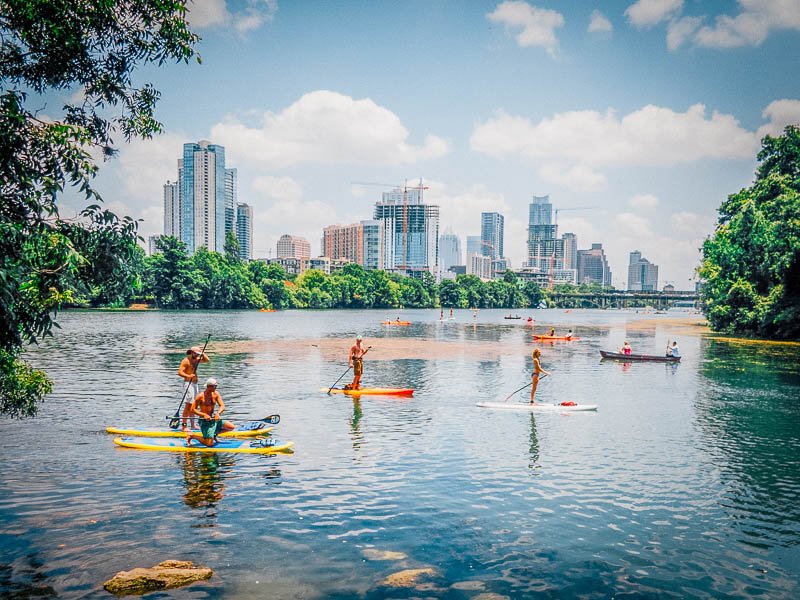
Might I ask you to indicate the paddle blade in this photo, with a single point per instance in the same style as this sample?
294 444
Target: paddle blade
272 419
174 423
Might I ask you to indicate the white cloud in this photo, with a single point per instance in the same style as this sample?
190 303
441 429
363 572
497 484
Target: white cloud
570 147
203 14
752 25
645 201
646 13
325 127
680 30
780 114
599 23
537 25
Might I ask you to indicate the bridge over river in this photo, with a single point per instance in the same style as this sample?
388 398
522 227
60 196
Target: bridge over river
621 299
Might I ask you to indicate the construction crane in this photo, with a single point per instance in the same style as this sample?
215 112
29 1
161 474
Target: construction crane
558 210
405 188
553 253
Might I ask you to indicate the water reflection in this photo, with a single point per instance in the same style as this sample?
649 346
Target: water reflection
204 482
533 444
355 424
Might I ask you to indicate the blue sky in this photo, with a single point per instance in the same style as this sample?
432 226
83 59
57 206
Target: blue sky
649 112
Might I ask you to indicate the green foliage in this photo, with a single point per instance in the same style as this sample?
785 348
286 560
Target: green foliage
47 261
751 265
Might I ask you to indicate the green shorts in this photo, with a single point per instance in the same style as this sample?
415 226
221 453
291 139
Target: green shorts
210 428
358 366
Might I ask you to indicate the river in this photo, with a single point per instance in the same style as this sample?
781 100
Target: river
684 483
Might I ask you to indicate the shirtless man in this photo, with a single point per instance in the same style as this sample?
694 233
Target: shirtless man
357 352
211 424
188 370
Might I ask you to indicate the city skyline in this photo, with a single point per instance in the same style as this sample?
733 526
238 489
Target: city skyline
650 111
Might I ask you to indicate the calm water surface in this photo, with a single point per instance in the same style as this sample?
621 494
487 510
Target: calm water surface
684 484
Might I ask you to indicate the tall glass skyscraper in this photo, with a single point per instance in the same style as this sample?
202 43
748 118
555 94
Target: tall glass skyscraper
202 183
172 209
449 251
231 199
492 235
545 251
244 230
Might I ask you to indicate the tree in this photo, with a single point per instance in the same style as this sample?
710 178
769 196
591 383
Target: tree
751 264
67 46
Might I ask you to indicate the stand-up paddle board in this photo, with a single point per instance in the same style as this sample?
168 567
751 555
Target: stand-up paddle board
177 433
537 406
372 391
260 446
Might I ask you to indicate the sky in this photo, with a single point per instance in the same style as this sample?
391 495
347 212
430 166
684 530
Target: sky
637 118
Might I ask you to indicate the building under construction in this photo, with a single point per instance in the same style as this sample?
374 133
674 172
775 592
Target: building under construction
410 232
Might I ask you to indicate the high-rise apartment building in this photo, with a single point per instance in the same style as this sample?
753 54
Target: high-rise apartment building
570 250
244 230
410 231
642 274
372 232
231 199
202 187
449 251
492 235
593 266
172 209
292 246
358 243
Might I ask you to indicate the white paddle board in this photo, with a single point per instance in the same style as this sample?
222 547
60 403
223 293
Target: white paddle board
537 406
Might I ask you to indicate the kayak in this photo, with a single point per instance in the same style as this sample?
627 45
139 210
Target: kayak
372 391
639 357
527 407
226 445
177 433
566 338
395 322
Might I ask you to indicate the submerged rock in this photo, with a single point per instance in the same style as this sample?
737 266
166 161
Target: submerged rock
166 575
407 578
375 554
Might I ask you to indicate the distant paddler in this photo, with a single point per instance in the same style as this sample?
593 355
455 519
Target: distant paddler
538 372
356 362
188 370
208 406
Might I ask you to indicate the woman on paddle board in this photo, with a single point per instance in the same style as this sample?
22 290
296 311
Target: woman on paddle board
537 371
188 370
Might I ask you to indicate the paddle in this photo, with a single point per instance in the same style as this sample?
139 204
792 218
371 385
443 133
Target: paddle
175 422
253 424
345 373
522 388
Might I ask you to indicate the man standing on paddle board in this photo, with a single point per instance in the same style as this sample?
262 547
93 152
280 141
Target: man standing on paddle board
211 424
188 370
537 371
356 361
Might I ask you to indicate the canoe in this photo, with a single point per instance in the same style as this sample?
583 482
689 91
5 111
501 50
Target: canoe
267 310
564 338
537 406
510 317
226 445
395 322
639 357
177 433
372 391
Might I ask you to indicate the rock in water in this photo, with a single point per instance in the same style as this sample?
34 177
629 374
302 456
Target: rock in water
166 575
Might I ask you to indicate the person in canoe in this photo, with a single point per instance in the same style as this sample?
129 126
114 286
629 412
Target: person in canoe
211 423
538 371
626 348
188 371
356 360
552 332
673 350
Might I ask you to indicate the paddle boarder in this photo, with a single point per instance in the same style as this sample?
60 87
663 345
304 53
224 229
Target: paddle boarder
356 361
188 370
211 423
552 332
537 372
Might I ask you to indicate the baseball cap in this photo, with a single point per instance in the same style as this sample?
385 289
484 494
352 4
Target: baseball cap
196 349
358 337
211 381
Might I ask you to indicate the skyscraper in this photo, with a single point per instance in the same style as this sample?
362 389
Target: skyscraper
201 180
344 241
449 251
410 231
474 245
545 250
292 246
642 274
492 235
172 209
244 230
231 199
372 232
570 250
593 266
